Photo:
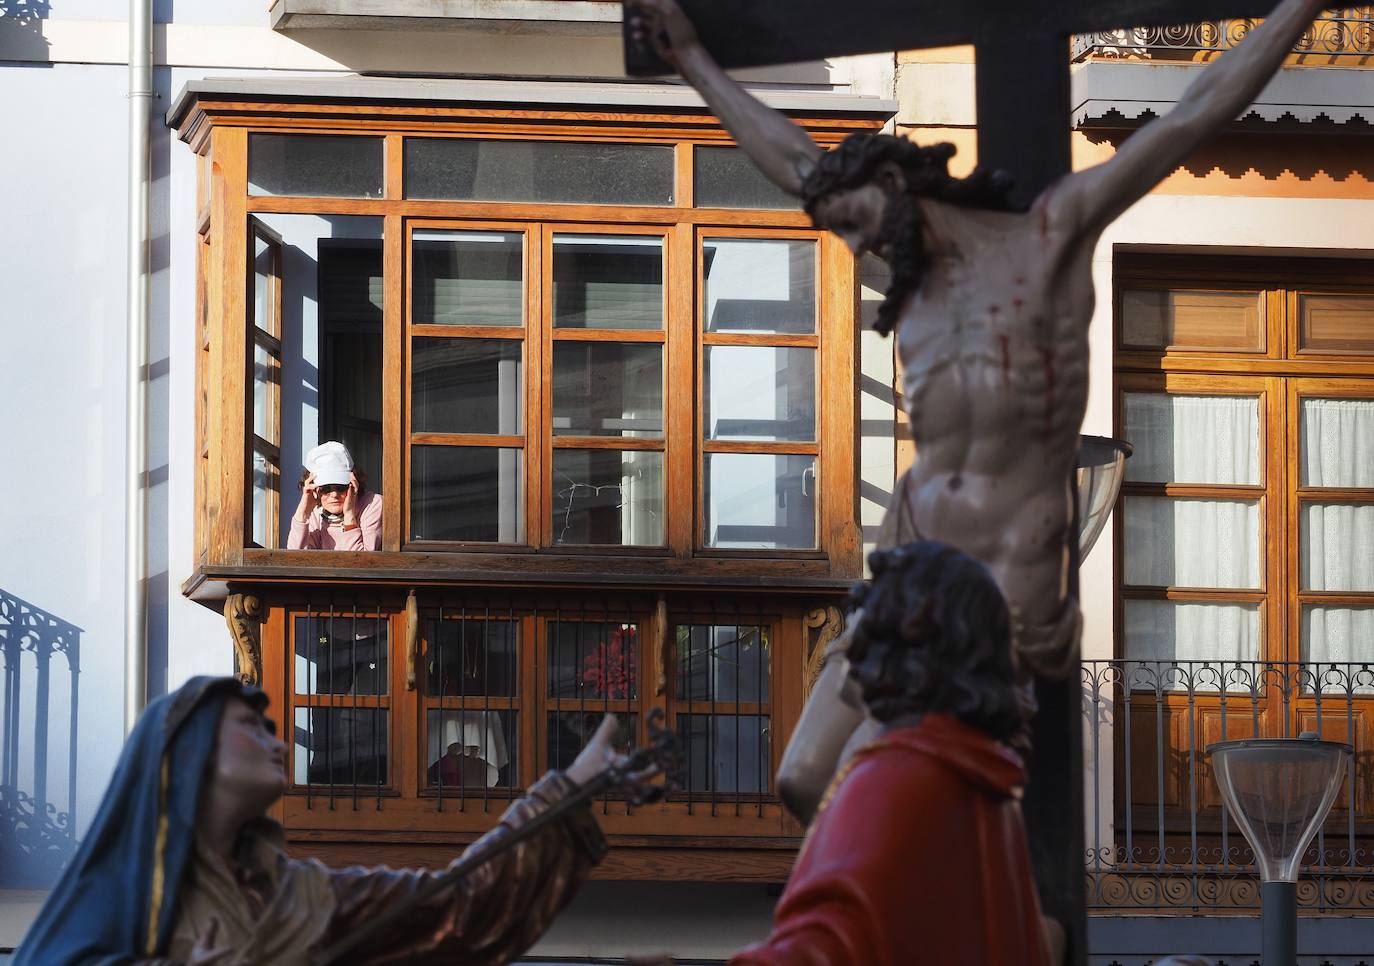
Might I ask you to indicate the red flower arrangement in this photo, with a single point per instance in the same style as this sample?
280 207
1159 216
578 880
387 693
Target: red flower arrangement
609 671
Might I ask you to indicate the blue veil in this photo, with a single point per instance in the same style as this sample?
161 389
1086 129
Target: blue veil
117 900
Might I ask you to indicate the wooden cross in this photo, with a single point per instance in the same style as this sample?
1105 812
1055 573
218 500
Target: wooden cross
1022 54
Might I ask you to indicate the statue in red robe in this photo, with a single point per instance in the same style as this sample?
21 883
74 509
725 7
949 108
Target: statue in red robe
918 853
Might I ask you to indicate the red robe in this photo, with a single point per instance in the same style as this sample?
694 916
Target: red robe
919 856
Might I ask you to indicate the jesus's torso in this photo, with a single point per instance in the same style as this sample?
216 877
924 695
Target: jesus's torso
993 347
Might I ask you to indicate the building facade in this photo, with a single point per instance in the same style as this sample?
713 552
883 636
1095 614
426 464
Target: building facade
630 438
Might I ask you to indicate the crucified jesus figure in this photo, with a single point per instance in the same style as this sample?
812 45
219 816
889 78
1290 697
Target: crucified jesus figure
990 306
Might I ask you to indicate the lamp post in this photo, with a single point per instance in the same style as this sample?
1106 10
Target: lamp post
1278 790
1101 468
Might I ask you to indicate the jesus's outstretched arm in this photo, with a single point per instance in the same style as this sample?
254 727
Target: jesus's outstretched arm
1094 198
782 150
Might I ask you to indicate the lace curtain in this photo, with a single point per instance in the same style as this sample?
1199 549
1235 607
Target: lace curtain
1188 542
1337 539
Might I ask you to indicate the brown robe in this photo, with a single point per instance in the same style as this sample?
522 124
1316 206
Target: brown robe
279 911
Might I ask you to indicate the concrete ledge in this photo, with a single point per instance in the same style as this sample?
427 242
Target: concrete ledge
1225 940
597 16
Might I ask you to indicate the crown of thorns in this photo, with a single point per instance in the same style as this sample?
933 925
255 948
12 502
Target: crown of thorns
851 165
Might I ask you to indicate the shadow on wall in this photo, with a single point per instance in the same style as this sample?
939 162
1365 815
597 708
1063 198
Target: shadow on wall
36 837
21 29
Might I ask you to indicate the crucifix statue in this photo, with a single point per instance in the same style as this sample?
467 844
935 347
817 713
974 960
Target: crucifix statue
990 301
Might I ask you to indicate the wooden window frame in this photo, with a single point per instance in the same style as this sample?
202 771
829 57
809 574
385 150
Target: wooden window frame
224 128
1282 376
268 340
405 802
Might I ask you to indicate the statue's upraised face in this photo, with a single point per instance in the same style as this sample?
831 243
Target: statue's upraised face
858 216
250 760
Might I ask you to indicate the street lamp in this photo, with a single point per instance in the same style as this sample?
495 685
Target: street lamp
1101 468
1278 790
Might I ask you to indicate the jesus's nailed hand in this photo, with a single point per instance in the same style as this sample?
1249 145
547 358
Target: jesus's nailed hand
662 26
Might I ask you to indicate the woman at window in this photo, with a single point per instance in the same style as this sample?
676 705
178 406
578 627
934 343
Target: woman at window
336 511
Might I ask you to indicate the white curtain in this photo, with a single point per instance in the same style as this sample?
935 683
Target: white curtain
1177 542
480 730
1337 442
1192 439
1163 630
1172 542
1340 634
1337 546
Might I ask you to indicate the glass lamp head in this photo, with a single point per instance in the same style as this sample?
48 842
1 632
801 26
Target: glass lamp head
1278 790
1101 468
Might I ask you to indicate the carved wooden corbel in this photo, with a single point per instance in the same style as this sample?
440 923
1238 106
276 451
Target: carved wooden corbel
823 625
412 639
243 613
661 650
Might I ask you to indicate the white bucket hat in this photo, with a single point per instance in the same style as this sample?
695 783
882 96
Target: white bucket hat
331 464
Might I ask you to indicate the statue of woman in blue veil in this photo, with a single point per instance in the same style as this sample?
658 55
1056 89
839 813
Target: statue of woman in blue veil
182 866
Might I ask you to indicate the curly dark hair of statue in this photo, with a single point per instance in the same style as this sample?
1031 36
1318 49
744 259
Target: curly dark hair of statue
852 165
935 635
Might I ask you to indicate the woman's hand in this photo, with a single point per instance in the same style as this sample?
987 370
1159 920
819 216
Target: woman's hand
207 950
598 754
350 506
662 25
310 498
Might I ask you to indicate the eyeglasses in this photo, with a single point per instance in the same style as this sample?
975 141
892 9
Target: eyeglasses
333 488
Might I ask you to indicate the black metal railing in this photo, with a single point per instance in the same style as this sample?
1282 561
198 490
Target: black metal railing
1158 837
1344 35
36 833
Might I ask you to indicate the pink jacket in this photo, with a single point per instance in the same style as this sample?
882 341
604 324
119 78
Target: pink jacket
315 534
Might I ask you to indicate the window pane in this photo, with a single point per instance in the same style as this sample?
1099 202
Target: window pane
466 493
760 285
607 389
760 501
1337 442
1337 323
1341 634
1338 547
723 662
593 660
477 657
262 499
341 655
468 278
340 746
607 282
607 497
466 386
1192 320
264 374
316 165
726 178
569 731
550 171
726 753
760 393
1174 542
1193 439
264 304
472 749
1162 630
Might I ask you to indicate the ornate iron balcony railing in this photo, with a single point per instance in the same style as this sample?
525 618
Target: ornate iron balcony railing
1158 838
1342 36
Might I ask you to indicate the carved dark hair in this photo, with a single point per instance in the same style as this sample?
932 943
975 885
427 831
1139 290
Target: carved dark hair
935 635
852 164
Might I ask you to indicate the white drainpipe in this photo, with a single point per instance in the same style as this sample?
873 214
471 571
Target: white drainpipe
136 380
